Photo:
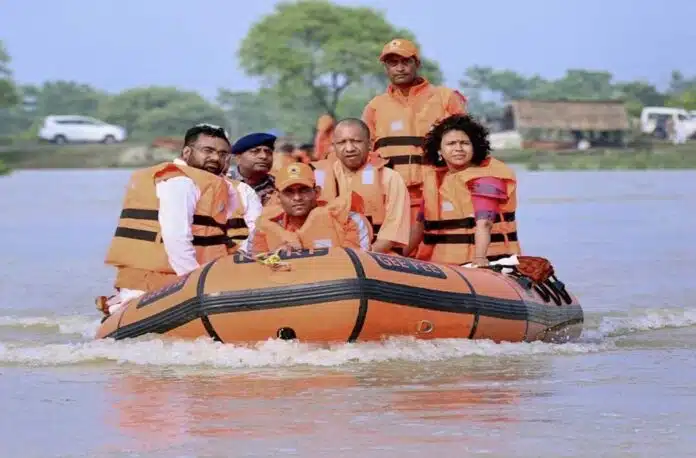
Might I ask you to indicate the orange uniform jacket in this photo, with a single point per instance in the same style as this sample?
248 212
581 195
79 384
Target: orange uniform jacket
327 225
383 196
398 125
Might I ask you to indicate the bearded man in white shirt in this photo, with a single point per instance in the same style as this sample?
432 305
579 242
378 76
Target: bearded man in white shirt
175 217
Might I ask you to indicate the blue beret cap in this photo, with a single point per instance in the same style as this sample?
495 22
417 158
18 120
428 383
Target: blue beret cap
250 141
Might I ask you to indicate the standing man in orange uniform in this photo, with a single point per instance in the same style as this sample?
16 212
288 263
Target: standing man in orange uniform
399 119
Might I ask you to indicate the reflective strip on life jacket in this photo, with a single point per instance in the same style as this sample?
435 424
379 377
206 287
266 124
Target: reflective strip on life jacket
152 236
407 140
466 239
237 229
463 223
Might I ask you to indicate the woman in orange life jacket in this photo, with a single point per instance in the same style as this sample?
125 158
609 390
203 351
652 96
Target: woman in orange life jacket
469 198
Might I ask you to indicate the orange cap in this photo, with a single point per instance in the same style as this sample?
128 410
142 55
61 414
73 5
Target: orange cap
401 47
295 173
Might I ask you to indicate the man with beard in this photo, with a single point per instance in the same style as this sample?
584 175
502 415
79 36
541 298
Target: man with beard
254 162
174 218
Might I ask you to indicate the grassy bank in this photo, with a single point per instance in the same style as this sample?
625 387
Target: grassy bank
4 169
38 156
659 156
129 155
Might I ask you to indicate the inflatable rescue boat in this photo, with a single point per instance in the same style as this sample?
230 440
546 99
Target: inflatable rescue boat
341 294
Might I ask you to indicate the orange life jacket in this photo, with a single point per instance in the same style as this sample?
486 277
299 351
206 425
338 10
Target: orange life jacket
400 127
449 215
237 229
367 184
322 139
325 226
280 160
137 242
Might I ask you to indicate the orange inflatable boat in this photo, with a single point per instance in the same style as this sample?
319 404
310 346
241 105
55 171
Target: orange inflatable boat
340 294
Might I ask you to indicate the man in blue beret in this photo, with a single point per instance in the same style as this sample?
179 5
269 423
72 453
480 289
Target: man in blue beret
254 162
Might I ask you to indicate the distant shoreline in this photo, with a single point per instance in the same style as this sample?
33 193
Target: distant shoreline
135 155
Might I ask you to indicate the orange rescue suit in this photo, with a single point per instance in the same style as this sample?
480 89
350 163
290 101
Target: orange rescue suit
280 161
328 225
400 125
449 223
137 249
322 139
367 184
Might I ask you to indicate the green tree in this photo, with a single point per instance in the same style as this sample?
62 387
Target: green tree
507 84
685 99
247 111
149 111
50 98
294 109
8 91
20 118
65 98
481 108
682 91
177 117
679 83
320 49
639 94
576 84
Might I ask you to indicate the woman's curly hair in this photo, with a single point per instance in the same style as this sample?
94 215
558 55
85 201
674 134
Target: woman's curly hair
477 132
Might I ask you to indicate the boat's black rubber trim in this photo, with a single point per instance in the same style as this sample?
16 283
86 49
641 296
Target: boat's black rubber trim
474 325
363 305
200 291
347 289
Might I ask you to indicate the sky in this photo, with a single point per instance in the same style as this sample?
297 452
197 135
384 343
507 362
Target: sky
192 44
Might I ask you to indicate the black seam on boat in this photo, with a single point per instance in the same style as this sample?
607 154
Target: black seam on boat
346 289
477 313
363 305
200 290
161 322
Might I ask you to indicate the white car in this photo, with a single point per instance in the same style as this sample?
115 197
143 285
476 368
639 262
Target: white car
80 129
653 121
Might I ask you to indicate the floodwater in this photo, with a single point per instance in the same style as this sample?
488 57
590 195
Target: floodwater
623 241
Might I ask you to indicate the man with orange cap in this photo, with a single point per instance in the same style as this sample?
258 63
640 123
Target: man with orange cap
301 221
399 118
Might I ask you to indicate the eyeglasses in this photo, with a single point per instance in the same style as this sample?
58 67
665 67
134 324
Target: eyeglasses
214 127
208 151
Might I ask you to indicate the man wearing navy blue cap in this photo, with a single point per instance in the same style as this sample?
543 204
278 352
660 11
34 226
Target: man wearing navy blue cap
254 162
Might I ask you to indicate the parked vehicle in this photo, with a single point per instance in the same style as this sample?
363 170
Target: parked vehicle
653 121
80 129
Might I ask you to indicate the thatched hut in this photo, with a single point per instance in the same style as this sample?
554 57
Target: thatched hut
563 124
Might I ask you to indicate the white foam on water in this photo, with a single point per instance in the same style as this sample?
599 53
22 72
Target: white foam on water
640 321
84 326
273 353
151 350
